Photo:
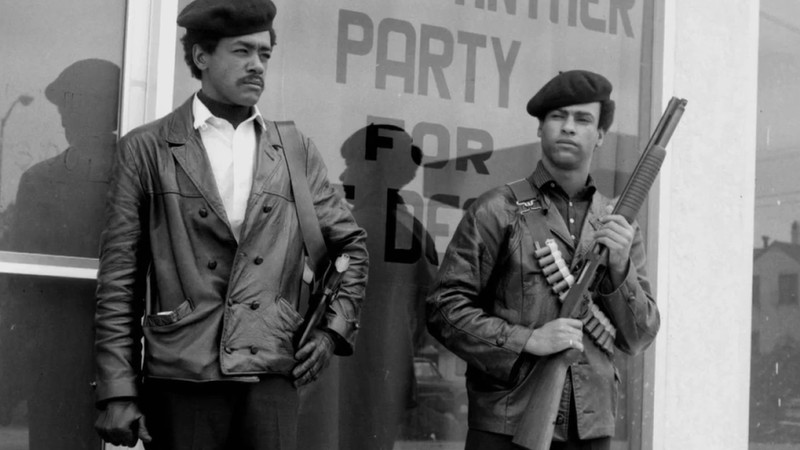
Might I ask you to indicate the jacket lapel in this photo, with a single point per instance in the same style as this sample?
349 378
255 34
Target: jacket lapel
557 225
268 159
188 150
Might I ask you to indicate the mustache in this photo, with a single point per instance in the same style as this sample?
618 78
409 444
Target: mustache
252 80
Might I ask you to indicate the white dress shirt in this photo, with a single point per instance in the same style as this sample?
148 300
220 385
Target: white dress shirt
231 153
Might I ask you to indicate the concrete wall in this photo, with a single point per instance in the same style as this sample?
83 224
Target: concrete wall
705 224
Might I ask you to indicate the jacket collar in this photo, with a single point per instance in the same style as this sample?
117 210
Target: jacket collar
187 147
540 180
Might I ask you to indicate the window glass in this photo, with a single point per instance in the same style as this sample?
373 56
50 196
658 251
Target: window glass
418 107
58 110
775 361
787 289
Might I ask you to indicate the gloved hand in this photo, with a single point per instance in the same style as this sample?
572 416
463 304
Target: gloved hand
313 357
122 423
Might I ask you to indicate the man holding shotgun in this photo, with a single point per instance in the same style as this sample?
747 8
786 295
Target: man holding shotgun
498 296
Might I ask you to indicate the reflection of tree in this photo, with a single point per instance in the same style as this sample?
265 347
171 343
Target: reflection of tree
23 100
46 324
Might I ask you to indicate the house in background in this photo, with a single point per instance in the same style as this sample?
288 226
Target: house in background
776 279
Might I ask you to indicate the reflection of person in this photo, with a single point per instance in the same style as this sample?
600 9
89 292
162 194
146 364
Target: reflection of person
202 241
46 322
492 304
377 384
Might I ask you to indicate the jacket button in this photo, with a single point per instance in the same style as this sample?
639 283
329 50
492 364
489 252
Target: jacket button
253 350
267 209
255 305
212 264
203 212
501 341
258 260
230 302
560 420
228 350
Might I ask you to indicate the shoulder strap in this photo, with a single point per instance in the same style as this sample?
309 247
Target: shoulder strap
296 154
528 201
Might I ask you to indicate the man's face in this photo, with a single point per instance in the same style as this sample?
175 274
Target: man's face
570 136
234 72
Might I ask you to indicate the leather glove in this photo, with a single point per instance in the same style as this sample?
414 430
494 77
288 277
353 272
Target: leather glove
313 357
122 423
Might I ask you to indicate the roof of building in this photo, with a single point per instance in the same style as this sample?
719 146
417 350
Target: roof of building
792 250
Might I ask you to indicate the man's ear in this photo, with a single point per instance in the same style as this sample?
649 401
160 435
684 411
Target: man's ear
539 131
200 57
601 135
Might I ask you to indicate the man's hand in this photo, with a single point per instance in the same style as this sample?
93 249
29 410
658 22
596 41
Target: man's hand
617 235
121 423
313 357
555 336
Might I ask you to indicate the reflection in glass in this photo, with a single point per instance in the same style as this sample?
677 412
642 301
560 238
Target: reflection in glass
46 331
58 122
775 358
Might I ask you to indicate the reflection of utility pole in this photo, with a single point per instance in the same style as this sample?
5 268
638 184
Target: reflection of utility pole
25 100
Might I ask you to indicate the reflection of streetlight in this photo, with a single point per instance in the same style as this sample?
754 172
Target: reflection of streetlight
25 100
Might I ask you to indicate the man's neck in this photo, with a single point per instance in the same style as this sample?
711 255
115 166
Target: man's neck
235 114
571 181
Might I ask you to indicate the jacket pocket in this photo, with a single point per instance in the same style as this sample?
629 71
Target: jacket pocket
162 321
260 338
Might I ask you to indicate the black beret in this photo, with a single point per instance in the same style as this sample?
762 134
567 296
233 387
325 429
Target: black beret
225 18
572 87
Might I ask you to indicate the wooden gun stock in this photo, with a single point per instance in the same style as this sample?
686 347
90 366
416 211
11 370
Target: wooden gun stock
546 381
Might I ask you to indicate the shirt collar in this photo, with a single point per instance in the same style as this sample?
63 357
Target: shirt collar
544 181
202 115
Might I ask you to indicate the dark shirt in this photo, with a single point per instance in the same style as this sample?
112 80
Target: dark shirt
573 210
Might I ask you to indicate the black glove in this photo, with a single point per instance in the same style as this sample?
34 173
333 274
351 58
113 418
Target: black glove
121 423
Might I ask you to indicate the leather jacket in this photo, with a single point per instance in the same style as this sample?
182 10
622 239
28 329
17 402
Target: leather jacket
490 294
209 307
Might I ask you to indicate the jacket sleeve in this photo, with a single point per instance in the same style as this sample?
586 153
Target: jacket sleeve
459 307
120 283
631 305
342 235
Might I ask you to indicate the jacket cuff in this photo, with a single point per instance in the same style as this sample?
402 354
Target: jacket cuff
514 341
343 332
606 288
105 390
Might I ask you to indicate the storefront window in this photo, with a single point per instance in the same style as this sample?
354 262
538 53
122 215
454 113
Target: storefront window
775 362
418 107
58 105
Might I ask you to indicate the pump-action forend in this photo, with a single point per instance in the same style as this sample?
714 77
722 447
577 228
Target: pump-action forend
545 383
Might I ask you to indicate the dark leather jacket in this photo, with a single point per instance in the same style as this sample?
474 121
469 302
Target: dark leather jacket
212 308
490 294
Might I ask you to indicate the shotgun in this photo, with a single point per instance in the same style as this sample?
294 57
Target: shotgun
321 298
546 381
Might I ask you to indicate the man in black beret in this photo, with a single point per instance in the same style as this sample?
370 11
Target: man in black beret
202 256
496 303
